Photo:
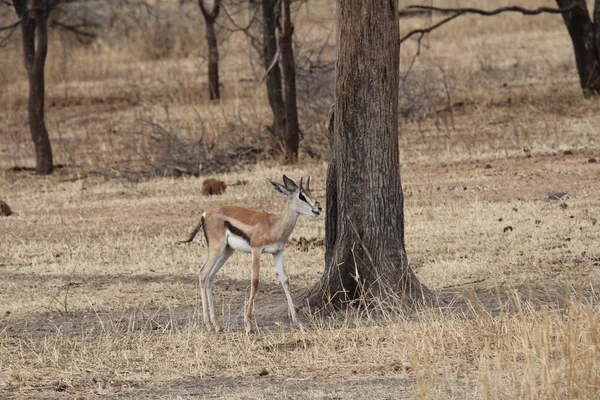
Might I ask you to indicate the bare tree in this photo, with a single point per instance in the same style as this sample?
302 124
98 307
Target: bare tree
365 254
277 54
585 35
273 72
213 50
33 17
286 30
281 79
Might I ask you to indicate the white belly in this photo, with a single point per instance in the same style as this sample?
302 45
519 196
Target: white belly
238 243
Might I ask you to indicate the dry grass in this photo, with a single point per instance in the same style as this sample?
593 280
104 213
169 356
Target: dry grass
97 301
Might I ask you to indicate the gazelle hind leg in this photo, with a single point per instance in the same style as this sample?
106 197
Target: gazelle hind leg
211 258
278 260
255 268
222 258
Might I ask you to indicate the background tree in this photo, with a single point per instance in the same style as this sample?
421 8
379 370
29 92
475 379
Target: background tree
273 72
34 20
33 17
365 253
213 50
585 35
285 128
286 31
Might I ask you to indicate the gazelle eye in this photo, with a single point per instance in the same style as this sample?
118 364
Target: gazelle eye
301 197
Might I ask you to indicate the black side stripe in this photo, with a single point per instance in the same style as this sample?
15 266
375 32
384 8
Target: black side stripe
237 231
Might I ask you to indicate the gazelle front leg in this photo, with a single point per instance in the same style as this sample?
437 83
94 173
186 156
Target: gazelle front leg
253 288
278 260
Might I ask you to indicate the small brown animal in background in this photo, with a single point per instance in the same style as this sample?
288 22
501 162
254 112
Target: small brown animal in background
4 209
213 186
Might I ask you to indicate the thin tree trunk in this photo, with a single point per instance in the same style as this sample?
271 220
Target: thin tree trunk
365 252
213 61
34 15
213 48
585 35
271 62
291 137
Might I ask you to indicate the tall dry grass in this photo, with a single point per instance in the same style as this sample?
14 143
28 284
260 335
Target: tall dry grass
546 354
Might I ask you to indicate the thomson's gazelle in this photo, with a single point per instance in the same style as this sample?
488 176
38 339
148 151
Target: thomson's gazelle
230 228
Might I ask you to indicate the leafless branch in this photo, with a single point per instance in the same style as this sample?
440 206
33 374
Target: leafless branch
522 10
238 28
414 59
11 29
423 31
76 29
407 13
11 26
275 59
457 12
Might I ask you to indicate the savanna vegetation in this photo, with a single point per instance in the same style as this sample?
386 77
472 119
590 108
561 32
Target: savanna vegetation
498 149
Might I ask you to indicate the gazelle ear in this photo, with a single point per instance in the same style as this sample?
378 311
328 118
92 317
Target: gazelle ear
280 188
290 184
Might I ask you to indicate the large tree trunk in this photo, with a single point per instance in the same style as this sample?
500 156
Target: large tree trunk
365 255
271 62
33 15
291 137
213 49
585 35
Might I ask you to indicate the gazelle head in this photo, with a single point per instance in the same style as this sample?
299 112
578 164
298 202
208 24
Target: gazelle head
299 196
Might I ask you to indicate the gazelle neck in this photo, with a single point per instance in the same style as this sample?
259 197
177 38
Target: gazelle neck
287 222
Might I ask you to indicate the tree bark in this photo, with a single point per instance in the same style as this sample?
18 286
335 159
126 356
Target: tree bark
585 35
34 15
273 72
213 48
365 255
291 137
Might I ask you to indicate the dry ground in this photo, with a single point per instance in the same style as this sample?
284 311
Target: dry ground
97 300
